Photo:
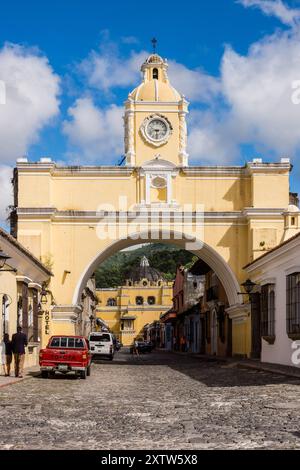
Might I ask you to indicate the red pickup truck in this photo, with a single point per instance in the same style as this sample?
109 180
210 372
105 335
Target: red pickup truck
66 354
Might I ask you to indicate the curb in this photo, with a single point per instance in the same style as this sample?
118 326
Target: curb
294 374
231 361
16 380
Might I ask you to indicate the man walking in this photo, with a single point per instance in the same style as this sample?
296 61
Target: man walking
19 341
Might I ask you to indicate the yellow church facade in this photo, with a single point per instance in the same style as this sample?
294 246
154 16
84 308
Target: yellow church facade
143 298
78 216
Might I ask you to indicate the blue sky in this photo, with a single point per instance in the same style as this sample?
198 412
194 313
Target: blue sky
234 60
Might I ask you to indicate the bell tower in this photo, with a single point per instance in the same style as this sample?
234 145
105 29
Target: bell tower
155 118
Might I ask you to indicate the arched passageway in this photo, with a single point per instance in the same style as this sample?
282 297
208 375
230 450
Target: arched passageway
206 253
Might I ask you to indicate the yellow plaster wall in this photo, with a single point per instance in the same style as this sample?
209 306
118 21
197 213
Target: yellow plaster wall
241 338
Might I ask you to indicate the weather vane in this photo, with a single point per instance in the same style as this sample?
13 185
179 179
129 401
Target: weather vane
154 44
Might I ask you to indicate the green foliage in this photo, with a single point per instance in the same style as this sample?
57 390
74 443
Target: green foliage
114 271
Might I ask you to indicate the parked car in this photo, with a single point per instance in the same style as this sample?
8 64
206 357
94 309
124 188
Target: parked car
150 345
102 344
118 345
66 354
143 346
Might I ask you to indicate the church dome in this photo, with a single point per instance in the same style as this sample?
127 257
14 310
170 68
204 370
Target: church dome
155 85
145 271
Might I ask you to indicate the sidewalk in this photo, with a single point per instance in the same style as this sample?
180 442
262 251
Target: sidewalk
28 374
246 363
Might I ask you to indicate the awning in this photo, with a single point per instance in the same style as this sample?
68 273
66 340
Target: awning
129 317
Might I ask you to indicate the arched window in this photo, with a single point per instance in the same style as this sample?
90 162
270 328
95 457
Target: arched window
111 302
5 313
155 74
139 300
151 300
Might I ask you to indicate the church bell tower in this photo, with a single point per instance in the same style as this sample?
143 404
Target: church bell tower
155 118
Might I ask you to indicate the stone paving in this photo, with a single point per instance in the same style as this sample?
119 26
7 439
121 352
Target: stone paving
157 401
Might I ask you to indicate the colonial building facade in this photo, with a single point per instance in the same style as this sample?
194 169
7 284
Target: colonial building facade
277 278
21 280
143 298
79 216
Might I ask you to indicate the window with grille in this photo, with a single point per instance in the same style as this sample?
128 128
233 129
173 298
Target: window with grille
268 312
111 302
151 300
139 300
293 305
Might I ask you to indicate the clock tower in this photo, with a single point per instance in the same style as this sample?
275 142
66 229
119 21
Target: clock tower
155 118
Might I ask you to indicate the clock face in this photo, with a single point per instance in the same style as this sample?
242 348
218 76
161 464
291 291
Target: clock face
157 129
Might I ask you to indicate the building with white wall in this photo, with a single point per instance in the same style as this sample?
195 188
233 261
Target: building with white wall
277 274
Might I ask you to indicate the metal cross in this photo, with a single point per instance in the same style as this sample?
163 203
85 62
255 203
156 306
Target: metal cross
154 44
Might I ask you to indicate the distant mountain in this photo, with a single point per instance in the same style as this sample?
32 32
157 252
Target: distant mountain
113 272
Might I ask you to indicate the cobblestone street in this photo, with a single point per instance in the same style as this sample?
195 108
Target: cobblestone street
157 401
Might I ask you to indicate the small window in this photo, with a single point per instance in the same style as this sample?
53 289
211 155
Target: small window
293 305
145 283
104 337
79 343
111 302
55 343
293 221
139 300
155 74
151 300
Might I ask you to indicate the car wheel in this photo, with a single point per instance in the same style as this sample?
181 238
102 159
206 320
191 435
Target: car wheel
111 357
83 374
88 371
44 374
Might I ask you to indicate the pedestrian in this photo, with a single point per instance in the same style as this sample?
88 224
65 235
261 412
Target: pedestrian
184 344
2 356
136 348
19 341
174 343
8 354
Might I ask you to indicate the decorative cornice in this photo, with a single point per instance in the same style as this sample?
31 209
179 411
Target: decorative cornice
66 313
56 170
144 212
239 313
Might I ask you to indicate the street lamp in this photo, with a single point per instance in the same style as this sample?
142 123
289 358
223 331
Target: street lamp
248 285
44 295
3 260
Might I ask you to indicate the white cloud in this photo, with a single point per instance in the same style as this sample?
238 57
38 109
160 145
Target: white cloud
106 70
287 15
6 198
256 106
196 85
32 91
258 88
95 133
212 138
30 102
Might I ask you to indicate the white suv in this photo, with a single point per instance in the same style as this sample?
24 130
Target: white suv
101 344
